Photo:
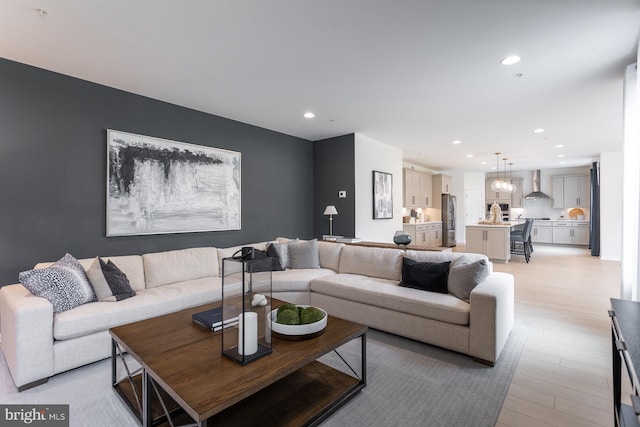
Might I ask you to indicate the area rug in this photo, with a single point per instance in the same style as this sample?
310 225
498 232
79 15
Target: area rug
408 383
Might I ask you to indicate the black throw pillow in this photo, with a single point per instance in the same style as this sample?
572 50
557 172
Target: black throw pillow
426 276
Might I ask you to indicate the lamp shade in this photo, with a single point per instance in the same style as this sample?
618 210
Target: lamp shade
330 210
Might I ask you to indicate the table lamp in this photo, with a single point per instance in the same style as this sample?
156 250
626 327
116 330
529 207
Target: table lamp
331 211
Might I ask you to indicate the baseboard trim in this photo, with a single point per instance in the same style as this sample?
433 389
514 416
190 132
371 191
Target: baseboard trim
484 362
33 384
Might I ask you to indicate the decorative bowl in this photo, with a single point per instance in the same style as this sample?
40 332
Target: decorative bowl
401 238
297 332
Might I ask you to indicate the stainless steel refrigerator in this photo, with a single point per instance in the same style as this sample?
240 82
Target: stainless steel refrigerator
448 220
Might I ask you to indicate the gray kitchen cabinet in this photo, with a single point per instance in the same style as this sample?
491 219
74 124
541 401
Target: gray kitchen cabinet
571 191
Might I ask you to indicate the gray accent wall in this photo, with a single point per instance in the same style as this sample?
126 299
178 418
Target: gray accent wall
53 170
334 170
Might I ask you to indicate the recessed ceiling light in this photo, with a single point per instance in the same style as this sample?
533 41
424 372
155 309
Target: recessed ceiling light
510 60
493 168
483 163
309 115
559 145
563 162
456 142
539 130
469 155
560 155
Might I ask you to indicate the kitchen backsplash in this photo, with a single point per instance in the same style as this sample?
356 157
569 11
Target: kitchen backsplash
541 208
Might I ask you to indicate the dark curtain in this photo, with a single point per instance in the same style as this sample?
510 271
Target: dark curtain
594 224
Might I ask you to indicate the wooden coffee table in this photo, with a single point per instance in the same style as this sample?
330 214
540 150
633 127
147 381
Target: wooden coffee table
185 378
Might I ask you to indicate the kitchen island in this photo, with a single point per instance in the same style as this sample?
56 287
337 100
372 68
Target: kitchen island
494 241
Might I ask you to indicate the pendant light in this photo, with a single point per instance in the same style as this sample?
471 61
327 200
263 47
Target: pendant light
496 185
513 186
506 184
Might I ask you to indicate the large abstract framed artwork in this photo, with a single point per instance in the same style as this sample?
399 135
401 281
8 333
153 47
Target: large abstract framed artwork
382 195
157 186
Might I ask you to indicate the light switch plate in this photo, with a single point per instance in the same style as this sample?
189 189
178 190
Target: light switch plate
342 194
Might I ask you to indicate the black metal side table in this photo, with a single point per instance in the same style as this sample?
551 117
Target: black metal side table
625 345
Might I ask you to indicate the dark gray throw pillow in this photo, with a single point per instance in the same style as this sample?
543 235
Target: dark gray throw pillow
275 256
426 276
109 282
64 284
304 254
465 275
274 265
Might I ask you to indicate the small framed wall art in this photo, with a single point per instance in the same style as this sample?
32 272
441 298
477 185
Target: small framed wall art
382 195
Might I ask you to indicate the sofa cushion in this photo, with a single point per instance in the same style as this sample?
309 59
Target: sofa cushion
64 284
426 276
152 302
372 262
465 275
387 294
163 268
304 254
297 280
436 256
109 282
329 253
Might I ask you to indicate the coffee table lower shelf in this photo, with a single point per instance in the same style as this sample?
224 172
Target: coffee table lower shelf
304 398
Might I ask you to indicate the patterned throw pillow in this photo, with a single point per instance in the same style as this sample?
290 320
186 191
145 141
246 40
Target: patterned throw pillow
64 284
108 281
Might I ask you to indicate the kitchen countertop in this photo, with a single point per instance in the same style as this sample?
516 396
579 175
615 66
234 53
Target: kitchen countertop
493 225
422 223
522 220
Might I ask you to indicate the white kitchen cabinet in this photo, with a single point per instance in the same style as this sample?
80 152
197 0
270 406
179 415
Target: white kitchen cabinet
580 232
571 232
411 229
571 191
429 234
411 184
435 235
493 241
562 235
417 189
442 183
426 190
541 233
517 196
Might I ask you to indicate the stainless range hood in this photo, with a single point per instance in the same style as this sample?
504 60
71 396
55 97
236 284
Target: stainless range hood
536 193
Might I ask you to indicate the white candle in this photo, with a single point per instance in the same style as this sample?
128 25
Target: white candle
249 326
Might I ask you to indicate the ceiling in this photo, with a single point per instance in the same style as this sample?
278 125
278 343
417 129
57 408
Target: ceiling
416 74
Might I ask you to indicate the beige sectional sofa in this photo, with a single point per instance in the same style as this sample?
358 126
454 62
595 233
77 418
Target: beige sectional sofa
356 283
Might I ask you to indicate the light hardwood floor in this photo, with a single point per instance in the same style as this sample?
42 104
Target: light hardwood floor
564 374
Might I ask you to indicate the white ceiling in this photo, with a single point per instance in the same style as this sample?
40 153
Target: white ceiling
410 73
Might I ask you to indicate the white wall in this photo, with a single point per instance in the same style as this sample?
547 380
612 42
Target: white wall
373 155
471 189
611 206
631 183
